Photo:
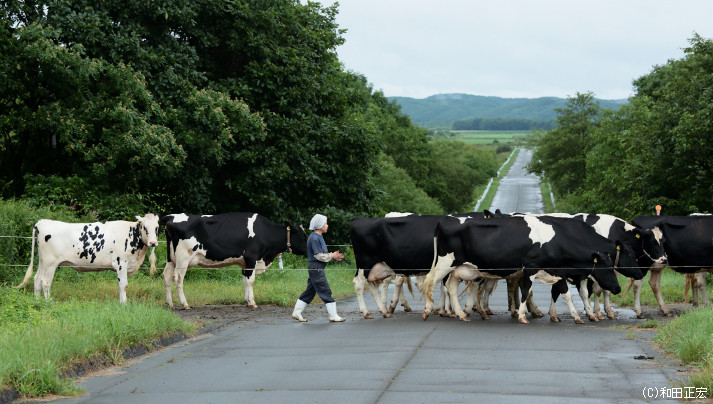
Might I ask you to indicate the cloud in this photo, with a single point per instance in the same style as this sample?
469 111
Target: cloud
515 48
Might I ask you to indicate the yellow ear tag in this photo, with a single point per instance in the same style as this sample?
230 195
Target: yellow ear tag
638 236
288 228
618 247
595 260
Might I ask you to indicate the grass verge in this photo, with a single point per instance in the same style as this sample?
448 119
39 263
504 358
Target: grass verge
672 286
40 341
690 339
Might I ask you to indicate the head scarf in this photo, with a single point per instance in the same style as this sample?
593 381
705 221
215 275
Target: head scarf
317 222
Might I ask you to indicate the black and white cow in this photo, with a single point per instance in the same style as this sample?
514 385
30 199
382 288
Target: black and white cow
118 246
394 245
688 242
645 243
248 240
547 251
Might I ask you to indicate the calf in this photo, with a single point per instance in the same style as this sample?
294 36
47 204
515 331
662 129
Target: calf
118 246
248 240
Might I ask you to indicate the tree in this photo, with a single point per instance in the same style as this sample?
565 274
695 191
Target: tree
561 153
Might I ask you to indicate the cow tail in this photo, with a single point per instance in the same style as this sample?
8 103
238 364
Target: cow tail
408 284
628 288
28 274
152 261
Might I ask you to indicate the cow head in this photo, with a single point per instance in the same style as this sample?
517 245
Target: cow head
627 264
652 245
297 238
603 273
148 228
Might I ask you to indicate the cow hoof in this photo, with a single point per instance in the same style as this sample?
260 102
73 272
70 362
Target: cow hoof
555 319
484 317
424 315
253 306
186 307
466 319
611 316
523 321
489 312
514 314
641 315
537 314
368 316
593 318
387 315
578 321
668 314
392 309
407 309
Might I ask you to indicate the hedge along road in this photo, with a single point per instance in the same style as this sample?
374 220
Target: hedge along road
274 359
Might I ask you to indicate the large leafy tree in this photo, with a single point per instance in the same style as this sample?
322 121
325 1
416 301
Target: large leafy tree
250 95
659 149
561 153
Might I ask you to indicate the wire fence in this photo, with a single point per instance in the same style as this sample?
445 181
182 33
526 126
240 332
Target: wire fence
702 267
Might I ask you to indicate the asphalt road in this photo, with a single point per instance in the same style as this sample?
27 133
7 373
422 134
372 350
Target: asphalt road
519 191
402 359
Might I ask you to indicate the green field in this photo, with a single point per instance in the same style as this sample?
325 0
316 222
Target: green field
489 136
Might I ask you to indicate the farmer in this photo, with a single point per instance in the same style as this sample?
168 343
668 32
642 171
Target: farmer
318 256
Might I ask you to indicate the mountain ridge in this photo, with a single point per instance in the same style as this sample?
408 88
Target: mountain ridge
444 109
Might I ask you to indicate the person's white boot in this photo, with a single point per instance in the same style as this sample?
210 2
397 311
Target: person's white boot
332 310
297 312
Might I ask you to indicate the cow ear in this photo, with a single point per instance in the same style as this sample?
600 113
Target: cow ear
138 217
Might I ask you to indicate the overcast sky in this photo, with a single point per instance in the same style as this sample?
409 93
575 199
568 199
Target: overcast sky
515 48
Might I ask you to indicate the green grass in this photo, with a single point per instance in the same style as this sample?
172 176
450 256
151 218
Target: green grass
489 136
40 340
672 285
689 338
548 202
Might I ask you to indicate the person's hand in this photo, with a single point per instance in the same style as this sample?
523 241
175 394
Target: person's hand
337 256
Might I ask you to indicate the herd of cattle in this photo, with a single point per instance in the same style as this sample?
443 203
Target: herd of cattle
587 250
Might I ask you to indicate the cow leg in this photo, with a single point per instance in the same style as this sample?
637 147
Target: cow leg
379 303
452 286
532 308
435 276
637 297
554 293
39 276
472 290
596 291
183 258
384 289
655 283
584 295
480 297
513 296
611 315
359 283
490 286
526 290
399 285
572 309
248 283
168 281
701 286
121 268
444 304
47 275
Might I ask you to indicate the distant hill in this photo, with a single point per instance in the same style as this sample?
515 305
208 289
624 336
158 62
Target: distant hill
441 110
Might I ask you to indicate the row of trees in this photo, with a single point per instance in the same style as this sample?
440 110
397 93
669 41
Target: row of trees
207 106
503 124
656 150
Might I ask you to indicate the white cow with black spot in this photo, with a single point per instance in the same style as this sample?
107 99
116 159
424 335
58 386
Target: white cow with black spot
118 246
